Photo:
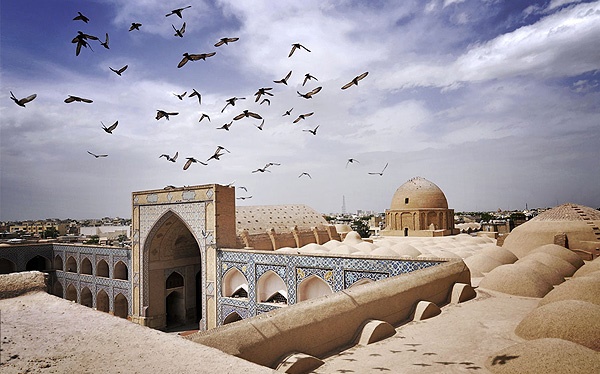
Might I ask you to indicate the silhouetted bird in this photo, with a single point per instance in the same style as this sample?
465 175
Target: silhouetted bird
110 128
179 32
287 113
285 79
244 197
262 91
81 17
161 113
218 153
197 94
422 364
265 101
445 363
310 94
296 46
225 126
308 77
314 132
355 80
191 160
135 26
180 97
105 44
260 127
246 113
71 99
203 116
81 40
194 57
264 169
169 158
231 102
351 161
302 174
381 174
429 354
502 359
95 155
23 101
120 71
178 11
226 41
303 116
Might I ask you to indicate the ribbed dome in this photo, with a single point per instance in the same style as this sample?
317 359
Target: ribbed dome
419 193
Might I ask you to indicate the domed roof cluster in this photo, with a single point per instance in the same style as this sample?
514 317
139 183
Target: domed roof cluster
419 193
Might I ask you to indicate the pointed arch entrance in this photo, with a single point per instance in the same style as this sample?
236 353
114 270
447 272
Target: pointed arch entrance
174 263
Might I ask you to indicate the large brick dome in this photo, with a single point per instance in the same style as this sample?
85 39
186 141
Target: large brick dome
419 193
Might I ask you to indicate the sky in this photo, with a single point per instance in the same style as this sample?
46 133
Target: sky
496 102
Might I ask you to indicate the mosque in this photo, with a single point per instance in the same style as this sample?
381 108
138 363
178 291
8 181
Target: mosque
197 258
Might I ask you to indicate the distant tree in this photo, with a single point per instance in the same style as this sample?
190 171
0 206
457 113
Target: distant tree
50 232
485 216
94 239
329 218
361 227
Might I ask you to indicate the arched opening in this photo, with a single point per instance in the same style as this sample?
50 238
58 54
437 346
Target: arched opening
313 287
102 301
71 265
86 298
235 284
57 290
38 263
406 231
86 266
232 317
361 282
175 304
71 294
58 263
7 266
175 280
171 241
270 288
102 269
121 306
406 200
120 271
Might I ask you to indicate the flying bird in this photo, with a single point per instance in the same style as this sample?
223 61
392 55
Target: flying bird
218 153
262 91
180 97
169 158
231 102
285 79
381 174
355 80
81 17
351 161
244 197
225 126
303 116
105 44
308 175
179 32
226 41
197 94
247 113
194 57
23 101
243 188
310 94
95 155
71 99
265 101
135 26
287 113
297 46
81 40
262 170
203 116
120 71
308 77
314 132
191 160
501 359
161 113
178 11
260 127
110 128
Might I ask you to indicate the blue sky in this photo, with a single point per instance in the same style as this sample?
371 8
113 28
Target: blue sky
497 102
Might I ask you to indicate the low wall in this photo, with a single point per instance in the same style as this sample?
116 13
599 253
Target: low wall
320 326
15 284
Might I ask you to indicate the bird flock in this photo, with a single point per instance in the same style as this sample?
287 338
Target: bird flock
263 95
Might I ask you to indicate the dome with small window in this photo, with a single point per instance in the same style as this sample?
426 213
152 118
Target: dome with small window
419 193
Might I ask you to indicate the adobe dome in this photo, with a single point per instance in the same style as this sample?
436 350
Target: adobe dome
419 193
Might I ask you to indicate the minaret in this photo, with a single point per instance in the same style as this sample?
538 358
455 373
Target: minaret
343 204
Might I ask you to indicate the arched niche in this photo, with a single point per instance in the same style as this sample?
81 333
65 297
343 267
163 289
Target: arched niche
102 301
58 263
102 269
235 284
121 306
71 265
313 287
71 293
86 266
175 280
38 263
120 271
270 288
57 289
232 317
86 298
7 266
175 305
